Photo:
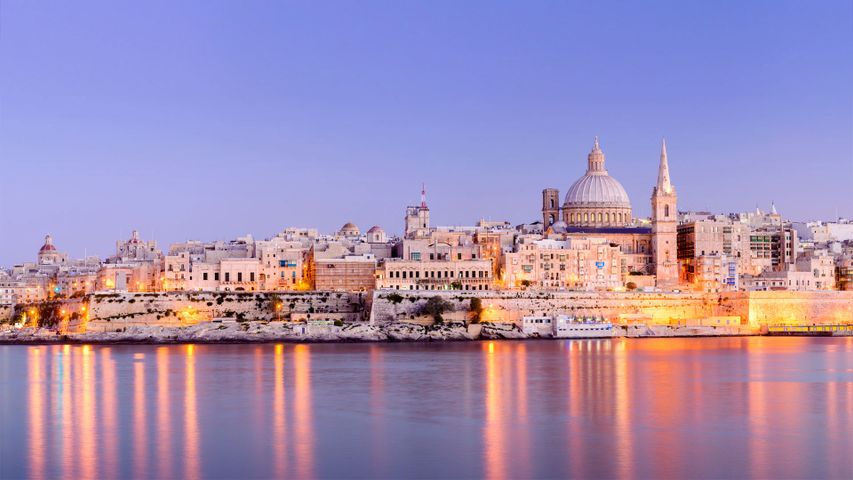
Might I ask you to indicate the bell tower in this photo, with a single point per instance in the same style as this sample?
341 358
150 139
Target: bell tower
550 207
664 227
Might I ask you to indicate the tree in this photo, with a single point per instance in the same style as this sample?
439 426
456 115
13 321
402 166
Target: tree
436 307
631 286
476 309
525 283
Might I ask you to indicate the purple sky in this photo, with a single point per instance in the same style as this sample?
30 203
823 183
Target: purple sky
215 119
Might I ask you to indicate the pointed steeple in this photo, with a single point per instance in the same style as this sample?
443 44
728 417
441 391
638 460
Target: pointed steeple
773 208
664 185
423 195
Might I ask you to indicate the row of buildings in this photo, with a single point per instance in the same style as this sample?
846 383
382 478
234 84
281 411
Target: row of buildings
589 241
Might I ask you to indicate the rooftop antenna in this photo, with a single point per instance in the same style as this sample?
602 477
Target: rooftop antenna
423 195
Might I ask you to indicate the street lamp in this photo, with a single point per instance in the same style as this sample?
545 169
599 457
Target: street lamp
278 310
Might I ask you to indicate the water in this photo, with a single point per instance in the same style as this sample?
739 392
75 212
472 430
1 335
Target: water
655 408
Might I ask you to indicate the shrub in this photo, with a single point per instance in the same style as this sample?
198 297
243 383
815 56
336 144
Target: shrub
436 307
395 298
476 309
339 323
631 286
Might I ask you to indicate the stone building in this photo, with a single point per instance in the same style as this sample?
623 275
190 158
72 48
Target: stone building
575 263
439 274
597 205
351 273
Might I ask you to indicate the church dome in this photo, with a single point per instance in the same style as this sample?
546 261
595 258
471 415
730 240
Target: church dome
597 199
48 245
349 230
599 190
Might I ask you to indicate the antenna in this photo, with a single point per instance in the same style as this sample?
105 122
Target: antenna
423 196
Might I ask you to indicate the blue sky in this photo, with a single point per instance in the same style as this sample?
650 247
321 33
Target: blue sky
215 119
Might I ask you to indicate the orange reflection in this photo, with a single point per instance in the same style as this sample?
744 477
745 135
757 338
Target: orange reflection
522 444
303 411
493 432
624 444
140 440
191 440
164 418
67 428
36 414
88 431
279 442
108 391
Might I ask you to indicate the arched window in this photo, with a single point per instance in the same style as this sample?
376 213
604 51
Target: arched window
572 218
552 203
607 217
666 211
620 218
585 217
600 217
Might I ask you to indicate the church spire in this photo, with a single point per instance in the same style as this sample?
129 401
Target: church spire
423 195
664 185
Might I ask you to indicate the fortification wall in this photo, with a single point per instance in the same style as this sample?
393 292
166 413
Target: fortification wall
112 312
789 308
755 309
510 307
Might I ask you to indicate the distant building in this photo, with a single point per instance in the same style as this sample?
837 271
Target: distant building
352 273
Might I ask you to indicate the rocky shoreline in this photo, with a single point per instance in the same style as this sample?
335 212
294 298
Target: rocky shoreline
272 332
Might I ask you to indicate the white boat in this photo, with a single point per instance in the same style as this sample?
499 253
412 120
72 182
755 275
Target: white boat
571 327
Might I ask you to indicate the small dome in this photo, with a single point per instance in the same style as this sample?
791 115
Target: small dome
375 229
349 229
48 245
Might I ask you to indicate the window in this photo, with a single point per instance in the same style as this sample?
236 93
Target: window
585 217
666 211
204 276
216 276
239 276
251 276
227 276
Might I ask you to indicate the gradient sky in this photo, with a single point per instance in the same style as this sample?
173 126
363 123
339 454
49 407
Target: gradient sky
210 120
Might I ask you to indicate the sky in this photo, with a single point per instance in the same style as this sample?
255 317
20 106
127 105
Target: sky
213 119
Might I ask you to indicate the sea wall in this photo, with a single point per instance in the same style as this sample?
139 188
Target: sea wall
118 311
754 309
510 307
789 308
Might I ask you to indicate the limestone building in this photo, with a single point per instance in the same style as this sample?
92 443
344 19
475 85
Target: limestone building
597 205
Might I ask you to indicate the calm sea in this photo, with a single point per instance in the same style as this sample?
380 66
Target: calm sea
651 408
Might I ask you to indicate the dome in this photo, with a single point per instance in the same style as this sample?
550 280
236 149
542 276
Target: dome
596 199
375 229
595 189
349 229
48 245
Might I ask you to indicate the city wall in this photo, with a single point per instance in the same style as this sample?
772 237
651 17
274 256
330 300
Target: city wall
754 309
116 311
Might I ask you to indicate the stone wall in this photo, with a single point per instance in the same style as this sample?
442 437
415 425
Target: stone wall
510 307
755 309
112 312
789 308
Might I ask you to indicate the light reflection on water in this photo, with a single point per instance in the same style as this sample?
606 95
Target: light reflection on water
657 408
